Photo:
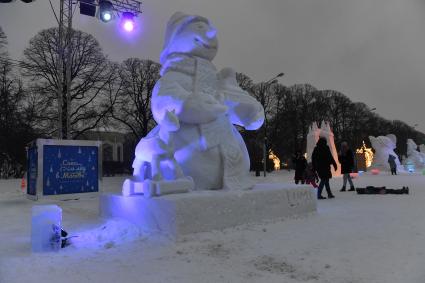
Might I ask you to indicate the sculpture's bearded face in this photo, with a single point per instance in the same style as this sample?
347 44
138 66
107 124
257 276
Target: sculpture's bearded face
198 39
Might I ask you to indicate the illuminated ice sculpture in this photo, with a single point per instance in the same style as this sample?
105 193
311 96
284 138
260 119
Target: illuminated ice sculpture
414 157
384 146
207 103
313 136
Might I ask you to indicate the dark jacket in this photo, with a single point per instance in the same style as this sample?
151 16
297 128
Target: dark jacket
347 161
300 164
391 161
322 160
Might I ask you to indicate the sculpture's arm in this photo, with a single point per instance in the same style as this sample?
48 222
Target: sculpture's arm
244 110
173 92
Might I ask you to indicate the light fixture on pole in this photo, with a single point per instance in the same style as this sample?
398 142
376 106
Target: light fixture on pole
263 92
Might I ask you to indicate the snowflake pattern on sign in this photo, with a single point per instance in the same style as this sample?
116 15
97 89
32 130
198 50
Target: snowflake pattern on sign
70 169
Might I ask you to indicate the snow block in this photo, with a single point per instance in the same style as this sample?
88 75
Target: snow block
46 228
203 211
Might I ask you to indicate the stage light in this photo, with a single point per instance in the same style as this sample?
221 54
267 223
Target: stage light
106 17
127 21
105 10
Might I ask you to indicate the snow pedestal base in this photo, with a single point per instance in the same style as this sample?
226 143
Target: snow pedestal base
204 211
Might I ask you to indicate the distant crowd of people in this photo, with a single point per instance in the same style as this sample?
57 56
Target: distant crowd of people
319 170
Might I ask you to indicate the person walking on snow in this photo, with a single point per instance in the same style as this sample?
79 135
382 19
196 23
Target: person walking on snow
346 159
393 165
300 165
322 160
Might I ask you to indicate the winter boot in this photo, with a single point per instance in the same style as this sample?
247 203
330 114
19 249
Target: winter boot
331 196
406 190
343 189
352 189
321 197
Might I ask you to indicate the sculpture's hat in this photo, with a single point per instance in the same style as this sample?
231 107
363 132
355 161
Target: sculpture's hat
175 24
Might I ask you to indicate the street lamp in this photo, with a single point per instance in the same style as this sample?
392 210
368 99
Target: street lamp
373 109
264 87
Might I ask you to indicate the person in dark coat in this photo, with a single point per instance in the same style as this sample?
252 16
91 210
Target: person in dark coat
300 164
322 160
393 165
346 159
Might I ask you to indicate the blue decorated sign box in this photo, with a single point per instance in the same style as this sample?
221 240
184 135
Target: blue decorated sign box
63 167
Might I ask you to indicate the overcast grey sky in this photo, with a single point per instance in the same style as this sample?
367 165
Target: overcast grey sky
370 50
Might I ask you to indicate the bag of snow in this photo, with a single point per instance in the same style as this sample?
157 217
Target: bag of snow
46 228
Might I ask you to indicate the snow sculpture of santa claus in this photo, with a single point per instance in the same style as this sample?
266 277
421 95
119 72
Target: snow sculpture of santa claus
207 104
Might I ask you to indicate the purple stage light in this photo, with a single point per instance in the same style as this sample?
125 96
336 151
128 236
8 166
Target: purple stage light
128 21
128 25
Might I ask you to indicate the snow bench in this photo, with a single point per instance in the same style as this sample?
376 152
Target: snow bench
203 211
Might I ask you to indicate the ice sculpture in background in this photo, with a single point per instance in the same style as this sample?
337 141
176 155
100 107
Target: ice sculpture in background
422 148
329 135
384 146
313 136
414 157
207 103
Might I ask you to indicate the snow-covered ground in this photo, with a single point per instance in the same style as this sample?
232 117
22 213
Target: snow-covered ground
352 238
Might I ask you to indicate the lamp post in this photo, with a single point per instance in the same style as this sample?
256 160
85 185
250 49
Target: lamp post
263 89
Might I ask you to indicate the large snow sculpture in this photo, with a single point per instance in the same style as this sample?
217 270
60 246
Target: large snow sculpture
384 146
313 136
414 157
207 103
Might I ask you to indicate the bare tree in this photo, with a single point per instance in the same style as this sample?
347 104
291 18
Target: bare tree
244 81
14 131
91 74
3 43
132 107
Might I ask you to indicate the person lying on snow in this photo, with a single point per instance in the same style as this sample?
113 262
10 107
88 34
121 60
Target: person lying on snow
371 190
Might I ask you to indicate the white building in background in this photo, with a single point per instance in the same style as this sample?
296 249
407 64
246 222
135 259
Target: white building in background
112 144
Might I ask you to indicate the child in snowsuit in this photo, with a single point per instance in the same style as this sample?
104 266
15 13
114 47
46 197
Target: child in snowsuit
311 176
393 165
